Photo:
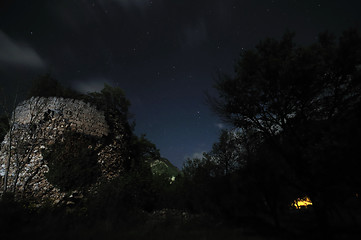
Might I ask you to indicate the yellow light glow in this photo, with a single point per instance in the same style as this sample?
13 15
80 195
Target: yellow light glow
301 203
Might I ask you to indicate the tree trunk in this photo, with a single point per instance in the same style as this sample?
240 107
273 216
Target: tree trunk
7 166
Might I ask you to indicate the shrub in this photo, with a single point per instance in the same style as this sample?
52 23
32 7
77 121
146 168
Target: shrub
72 162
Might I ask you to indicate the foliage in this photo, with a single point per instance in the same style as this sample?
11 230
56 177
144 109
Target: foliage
295 111
278 83
164 167
47 86
4 126
121 198
115 105
11 212
227 153
146 151
72 162
110 99
302 103
213 184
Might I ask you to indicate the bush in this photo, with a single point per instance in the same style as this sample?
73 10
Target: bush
72 162
47 86
4 127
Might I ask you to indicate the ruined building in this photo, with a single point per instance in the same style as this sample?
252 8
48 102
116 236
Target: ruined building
38 124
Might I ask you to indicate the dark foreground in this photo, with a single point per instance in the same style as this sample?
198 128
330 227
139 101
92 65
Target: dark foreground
18 222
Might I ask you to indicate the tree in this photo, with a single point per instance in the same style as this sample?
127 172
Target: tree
23 135
9 118
111 100
227 153
47 86
279 82
4 126
114 104
71 169
300 100
144 150
22 139
213 184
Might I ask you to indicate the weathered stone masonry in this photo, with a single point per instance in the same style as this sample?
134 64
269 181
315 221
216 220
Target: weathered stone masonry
81 116
37 123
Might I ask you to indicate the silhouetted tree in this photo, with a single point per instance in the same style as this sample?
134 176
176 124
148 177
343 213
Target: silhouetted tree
214 182
47 86
227 153
22 139
4 126
144 150
114 104
72 161
300 100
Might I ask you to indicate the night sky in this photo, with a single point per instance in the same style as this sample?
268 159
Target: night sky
164 53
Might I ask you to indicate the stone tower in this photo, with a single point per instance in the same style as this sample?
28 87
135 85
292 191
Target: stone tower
37 124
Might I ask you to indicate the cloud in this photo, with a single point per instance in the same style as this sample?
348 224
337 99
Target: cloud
92 85
15 54
219 125
198 155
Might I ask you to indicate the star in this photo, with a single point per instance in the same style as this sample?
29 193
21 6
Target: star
198 116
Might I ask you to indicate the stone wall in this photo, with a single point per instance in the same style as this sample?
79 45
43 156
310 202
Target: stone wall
37 124
81 116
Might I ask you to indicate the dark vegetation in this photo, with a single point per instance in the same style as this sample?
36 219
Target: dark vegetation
46 86
4 126
72 162
294 114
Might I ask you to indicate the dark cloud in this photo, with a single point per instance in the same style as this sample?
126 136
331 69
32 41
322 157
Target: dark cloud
14 53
